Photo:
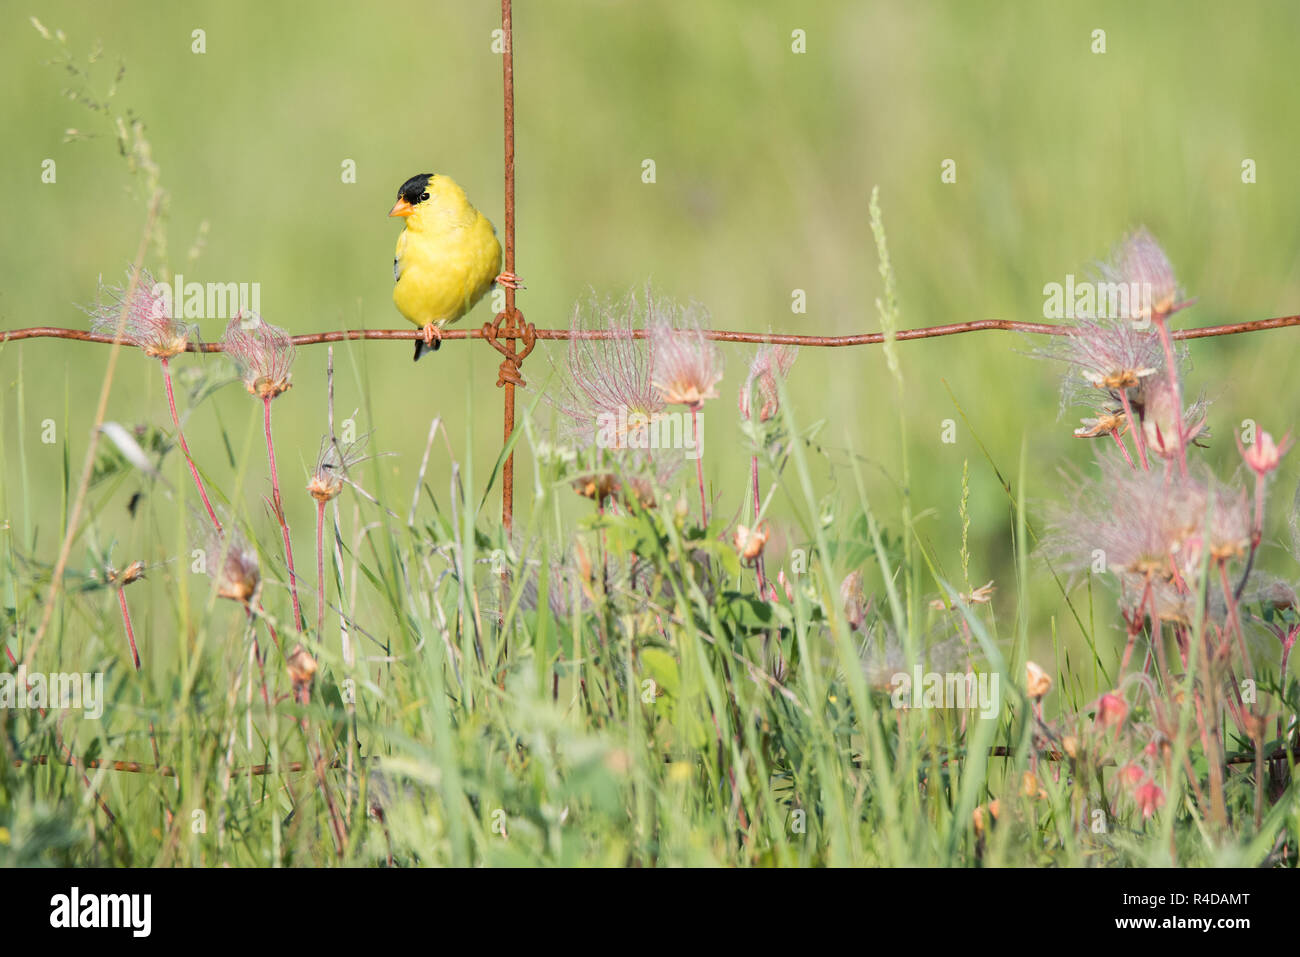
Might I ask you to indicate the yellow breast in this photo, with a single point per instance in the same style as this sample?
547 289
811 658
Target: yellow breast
446 259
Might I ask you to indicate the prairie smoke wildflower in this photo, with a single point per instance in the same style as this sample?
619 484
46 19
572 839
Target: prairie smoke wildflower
978 596
326 482
606 380
261 352
992 809
1131 775
1106 422
119 580
148 322
1140 264
687 366
855 602
1125 521
302 670
1031 787
1037 681
232 563
1149 798
150 325
333 461
686 370
749 542
1105 357
1162 430
770 364
1264 455
1111 711
1229 526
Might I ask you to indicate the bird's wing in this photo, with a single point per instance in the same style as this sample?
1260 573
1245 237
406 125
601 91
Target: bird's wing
397 256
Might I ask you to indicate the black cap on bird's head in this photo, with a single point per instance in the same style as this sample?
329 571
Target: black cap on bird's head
410 194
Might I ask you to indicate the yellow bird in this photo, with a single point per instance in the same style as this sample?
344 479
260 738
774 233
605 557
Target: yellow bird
447 257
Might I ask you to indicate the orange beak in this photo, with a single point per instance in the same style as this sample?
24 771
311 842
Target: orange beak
401 208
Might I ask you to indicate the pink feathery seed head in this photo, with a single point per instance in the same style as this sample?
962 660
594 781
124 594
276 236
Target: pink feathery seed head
230 561
262 352
606 380
149 323
1149 798
1229 528
332 464
687 367
770 363
1104 357
1264 455
855 601
1124 520
1139 263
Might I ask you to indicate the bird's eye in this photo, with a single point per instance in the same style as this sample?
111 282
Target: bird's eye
423 197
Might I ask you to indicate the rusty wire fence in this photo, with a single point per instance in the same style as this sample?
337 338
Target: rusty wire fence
515 338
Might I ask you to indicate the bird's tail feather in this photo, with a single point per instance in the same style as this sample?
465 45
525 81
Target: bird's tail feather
421 348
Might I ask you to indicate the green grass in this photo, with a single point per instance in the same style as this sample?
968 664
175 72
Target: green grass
464 717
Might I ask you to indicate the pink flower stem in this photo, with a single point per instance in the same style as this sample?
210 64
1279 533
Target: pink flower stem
1135 427
180 435
320 568
1123 448
699 466
1234 622
257 651
279 514
1287 644
130 632
1163 328
1256 535
758 565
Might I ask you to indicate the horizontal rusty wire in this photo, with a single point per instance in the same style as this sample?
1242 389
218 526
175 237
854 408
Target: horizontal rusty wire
718 335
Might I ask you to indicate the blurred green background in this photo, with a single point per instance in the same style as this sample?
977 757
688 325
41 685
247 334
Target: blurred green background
765 160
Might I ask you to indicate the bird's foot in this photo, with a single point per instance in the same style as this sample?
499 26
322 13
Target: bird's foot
432 335
509 280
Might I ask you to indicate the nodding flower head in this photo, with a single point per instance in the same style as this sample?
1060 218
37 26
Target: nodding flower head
1139 264
1111 710
1149 798
1158 406
1264 455
687 366
148 322
262 352
232 562
1037 681
749 542
770 364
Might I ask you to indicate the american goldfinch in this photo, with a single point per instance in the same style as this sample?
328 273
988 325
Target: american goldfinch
447 257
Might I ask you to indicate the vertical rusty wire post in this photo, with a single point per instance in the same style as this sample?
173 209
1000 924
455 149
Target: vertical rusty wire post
509 326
